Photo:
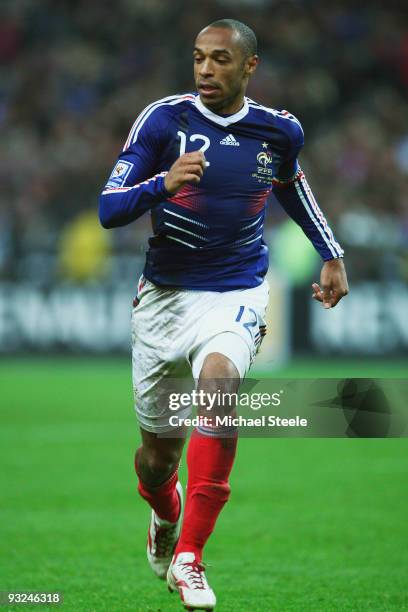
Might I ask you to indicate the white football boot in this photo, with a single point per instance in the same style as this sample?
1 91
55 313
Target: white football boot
162 538
186 575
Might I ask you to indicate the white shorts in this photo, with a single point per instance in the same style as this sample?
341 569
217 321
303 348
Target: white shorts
173 330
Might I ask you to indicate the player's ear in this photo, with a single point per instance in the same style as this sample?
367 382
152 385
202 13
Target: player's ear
251 64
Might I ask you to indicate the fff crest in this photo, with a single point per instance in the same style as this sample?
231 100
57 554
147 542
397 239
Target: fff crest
263 158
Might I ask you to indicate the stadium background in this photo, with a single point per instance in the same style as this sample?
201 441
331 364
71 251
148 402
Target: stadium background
73 76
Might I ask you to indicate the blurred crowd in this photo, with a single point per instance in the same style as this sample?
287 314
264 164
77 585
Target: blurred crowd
74 74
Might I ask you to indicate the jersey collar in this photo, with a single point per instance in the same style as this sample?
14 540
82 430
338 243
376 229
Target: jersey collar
217 118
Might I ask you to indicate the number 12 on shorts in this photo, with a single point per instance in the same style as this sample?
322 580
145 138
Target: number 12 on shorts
253 320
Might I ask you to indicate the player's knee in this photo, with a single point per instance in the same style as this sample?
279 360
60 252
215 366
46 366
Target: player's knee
218 366
159 463
218 375
219 379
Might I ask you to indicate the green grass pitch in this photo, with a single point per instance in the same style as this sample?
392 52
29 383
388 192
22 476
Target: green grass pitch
312 525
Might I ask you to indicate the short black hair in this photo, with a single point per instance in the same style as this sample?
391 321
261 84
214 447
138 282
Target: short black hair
247 36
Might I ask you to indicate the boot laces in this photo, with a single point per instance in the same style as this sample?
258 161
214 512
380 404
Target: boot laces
195 571
164 541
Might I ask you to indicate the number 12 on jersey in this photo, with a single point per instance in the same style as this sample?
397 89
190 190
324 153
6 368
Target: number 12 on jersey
193 138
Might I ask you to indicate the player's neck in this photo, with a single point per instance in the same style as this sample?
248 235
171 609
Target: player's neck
229 108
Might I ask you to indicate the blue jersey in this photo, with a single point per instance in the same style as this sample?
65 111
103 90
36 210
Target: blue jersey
208 236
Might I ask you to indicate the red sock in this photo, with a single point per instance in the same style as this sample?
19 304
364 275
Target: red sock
209 461
163 499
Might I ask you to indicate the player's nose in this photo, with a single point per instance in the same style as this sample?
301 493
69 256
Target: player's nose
206 68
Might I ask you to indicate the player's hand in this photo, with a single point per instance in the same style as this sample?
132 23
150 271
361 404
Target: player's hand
189 168
333 283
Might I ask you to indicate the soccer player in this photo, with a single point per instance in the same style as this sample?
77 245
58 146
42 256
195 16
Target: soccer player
203 165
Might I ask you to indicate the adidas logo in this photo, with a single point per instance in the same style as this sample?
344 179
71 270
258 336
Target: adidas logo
229 140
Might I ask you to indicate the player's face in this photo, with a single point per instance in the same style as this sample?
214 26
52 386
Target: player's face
221 70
